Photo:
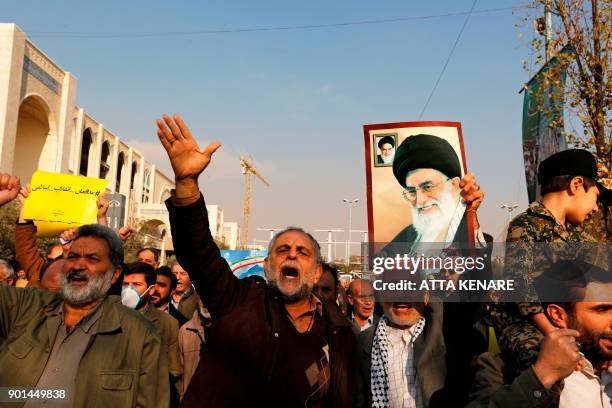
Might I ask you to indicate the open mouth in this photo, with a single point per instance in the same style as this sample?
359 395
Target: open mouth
290 272
402 307
428 208
76 279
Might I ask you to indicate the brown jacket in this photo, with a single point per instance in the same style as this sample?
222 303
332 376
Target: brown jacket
27 253
191 338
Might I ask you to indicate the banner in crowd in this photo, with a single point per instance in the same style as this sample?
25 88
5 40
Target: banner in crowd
245 262
543 119
58 202
413 171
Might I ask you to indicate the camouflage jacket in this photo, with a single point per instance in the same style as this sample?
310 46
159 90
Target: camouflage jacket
525 259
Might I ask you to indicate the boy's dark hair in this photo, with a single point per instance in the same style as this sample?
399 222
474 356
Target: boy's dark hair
167 272
152 250
562 183
142 268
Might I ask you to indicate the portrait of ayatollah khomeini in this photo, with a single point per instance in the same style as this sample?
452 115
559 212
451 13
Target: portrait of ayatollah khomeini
429 170
386 145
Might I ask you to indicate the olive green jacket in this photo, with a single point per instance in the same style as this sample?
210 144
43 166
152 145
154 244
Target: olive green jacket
499 384
167 327
123 365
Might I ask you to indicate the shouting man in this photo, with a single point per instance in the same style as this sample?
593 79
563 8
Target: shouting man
274 343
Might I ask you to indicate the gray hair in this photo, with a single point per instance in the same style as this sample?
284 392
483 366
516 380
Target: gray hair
316 245
7 270
115 244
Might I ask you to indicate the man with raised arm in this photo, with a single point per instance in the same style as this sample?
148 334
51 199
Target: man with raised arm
274 343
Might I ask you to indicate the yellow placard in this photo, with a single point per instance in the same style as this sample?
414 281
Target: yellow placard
58 202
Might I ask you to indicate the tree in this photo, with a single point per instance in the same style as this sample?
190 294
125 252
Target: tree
585 27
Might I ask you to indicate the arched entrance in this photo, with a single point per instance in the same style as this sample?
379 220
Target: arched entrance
85 150
32 141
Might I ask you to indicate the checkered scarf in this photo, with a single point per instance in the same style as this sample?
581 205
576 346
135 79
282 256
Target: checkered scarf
380 357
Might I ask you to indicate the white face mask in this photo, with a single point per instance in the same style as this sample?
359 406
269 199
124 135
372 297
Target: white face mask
130 297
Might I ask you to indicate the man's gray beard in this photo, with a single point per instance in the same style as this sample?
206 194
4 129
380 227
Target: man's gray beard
303 292
430 226
387 159
96 288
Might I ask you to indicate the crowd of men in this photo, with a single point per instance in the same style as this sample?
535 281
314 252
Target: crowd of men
77 318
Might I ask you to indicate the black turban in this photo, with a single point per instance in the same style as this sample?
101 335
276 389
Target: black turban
386 139
425 152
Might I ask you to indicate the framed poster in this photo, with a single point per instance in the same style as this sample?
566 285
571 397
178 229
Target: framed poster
416 198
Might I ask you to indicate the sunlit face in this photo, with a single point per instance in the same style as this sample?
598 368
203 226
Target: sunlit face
405 314
593 319
583 204
162 290
386 150
427 187
184 282
325 289
361 297
147 257
138 282
292 266
88 271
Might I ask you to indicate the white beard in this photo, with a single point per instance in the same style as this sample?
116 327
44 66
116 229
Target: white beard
388 159
430 227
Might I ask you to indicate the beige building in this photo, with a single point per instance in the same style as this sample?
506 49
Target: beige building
41 127
231 234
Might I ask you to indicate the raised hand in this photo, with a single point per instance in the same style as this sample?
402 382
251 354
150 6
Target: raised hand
24 193
472 195
102 204
125 232
559 356
66 239
187 160
470 192
9 188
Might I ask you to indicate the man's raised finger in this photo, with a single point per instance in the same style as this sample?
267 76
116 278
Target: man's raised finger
184 129
164 141
176 132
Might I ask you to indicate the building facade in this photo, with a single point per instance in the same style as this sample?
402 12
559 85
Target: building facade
42 128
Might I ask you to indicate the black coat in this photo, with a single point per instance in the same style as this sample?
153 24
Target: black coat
243 343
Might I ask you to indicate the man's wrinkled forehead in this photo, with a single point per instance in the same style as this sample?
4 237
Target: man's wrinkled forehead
90 246
294 238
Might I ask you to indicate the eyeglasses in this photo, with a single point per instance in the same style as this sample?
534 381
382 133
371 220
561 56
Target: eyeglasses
428 188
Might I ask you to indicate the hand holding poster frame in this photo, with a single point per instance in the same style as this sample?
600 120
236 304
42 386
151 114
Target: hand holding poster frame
434 160
58 202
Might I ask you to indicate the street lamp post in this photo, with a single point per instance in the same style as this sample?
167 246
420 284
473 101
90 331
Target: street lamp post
348 240
510 208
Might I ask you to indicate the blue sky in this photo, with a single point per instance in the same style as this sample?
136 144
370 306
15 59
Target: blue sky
295 100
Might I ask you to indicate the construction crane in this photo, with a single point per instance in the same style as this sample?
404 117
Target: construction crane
249 171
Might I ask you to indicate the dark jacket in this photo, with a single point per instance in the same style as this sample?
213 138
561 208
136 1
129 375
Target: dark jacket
243 343
429 353
499 384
